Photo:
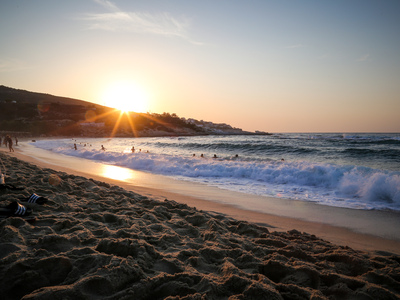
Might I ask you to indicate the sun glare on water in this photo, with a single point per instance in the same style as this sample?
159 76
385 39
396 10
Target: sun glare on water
117 173
126 97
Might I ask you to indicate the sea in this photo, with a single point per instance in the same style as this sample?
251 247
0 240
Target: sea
351 170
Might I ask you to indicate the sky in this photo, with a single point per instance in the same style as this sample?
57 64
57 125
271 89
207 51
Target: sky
275 66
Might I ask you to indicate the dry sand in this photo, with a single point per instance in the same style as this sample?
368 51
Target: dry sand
360 229
96 240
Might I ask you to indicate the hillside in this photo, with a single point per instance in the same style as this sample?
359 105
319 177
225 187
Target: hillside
8 94
26 113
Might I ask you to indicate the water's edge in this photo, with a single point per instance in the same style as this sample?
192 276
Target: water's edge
378 223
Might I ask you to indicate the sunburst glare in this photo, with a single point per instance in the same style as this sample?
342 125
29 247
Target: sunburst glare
126 96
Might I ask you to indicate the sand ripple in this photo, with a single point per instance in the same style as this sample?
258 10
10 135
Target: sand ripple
93 240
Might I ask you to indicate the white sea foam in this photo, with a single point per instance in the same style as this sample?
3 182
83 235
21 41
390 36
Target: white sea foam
343 185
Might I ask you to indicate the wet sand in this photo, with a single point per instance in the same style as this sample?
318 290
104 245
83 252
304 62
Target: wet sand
99 238
359 229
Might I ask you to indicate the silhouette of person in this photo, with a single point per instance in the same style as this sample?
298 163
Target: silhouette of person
133 149
102 148
10 143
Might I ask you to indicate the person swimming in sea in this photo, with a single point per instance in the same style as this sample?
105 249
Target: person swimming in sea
102 148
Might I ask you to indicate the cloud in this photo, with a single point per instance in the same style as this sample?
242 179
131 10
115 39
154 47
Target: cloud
364 58
107 4
115 19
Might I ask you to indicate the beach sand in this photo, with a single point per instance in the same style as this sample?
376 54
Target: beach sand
94 239
360 229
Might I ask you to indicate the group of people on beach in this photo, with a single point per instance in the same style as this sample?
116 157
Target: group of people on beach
132 149
140 150
76 147
215 155
8 142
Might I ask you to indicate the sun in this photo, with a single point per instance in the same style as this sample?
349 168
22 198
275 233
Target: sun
126 96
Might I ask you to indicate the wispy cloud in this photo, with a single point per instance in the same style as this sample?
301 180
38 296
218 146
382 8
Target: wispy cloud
107 4
364 58
117 20
11 65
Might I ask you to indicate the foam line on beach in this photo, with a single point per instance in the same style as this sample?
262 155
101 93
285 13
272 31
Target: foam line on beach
382 224
95 240
339 183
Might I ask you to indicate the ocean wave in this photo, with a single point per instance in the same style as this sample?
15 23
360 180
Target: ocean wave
393 138
395 153
330 184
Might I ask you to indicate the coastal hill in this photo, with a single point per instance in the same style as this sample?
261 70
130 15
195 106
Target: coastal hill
26 113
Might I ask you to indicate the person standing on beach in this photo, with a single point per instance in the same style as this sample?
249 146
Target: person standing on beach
10 143
16 141
133 149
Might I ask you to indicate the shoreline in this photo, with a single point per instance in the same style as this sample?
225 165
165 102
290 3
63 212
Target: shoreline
94 239
285 215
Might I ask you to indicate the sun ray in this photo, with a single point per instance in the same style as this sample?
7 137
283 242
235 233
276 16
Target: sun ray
158 121
93 117
132 125
116 126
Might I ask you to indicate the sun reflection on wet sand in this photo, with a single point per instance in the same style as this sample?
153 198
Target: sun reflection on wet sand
117 173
